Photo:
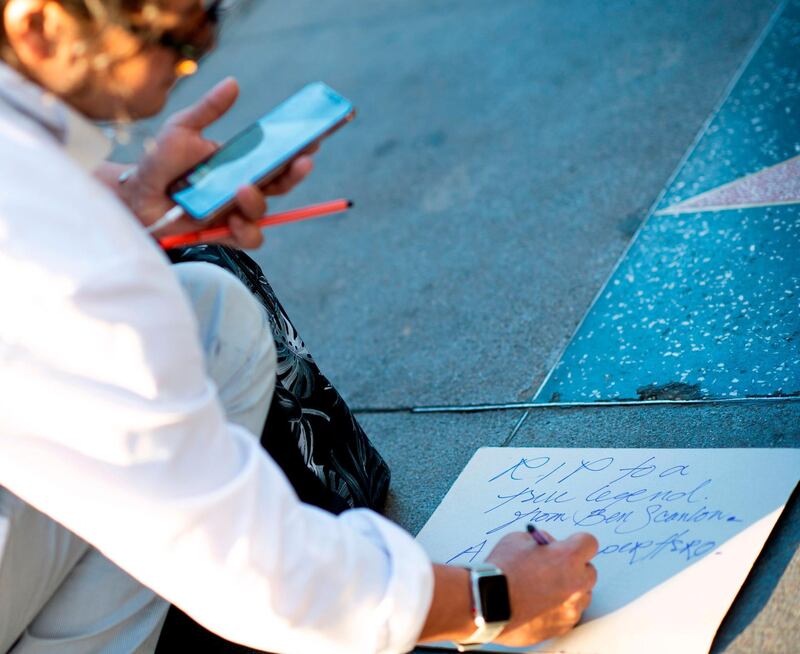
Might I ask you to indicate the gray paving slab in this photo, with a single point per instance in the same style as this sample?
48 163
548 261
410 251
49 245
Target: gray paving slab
504 155
764 617
427 453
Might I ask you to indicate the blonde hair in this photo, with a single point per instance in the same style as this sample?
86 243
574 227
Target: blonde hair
97 13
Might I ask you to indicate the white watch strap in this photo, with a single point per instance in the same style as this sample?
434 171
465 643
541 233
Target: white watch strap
482 636
485 632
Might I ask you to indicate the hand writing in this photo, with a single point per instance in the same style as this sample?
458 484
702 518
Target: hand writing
179 146
550 587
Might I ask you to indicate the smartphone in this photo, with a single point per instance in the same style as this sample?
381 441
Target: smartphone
261 152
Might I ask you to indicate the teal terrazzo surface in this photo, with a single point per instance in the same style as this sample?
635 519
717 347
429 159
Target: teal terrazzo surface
706 302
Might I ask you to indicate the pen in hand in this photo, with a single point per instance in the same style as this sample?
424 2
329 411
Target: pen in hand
216 233
538 536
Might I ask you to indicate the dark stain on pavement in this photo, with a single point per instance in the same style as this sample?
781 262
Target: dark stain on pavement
670 391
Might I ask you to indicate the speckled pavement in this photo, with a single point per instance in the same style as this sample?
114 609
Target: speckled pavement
706 302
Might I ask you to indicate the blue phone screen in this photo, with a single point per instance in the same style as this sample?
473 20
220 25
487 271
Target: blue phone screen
265 145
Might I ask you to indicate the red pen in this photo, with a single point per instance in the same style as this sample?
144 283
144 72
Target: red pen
295 215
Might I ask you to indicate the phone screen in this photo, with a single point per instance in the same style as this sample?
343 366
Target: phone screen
264 146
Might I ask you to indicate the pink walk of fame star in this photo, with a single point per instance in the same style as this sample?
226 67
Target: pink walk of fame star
778 184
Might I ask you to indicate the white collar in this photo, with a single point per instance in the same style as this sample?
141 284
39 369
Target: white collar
82 140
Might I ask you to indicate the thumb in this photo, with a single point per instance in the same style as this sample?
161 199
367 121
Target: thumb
210 108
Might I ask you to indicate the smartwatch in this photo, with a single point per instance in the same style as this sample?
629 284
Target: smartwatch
491 607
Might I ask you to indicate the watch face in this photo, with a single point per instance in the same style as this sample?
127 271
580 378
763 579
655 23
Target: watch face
494 598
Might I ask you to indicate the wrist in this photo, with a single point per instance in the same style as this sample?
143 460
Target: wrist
115 176
125 186
470 606
491 606
450 616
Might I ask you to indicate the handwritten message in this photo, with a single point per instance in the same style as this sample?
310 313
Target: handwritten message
654 512
630 498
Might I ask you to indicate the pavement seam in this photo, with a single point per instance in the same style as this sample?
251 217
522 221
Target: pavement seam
532 406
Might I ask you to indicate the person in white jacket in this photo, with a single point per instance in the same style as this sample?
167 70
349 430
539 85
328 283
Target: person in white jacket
130 392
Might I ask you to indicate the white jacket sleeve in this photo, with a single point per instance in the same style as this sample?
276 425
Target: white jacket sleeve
109 425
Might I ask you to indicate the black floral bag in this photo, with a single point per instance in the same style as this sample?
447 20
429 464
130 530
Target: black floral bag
310 432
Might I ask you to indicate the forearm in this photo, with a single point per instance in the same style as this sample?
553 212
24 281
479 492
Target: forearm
450 615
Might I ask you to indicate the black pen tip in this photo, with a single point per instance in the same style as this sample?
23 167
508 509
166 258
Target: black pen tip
349 204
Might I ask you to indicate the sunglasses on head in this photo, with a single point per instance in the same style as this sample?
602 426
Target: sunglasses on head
186 47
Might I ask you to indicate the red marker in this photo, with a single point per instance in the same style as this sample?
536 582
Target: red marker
295 215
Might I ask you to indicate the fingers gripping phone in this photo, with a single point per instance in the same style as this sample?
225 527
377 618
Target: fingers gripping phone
261 152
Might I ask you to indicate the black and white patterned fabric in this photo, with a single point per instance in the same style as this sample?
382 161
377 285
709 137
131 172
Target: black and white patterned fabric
310 430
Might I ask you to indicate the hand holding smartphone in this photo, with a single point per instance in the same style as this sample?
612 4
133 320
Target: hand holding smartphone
260 153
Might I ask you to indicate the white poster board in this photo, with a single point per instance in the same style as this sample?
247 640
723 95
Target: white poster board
679 531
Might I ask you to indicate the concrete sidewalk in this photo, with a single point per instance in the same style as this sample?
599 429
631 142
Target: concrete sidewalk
504 156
